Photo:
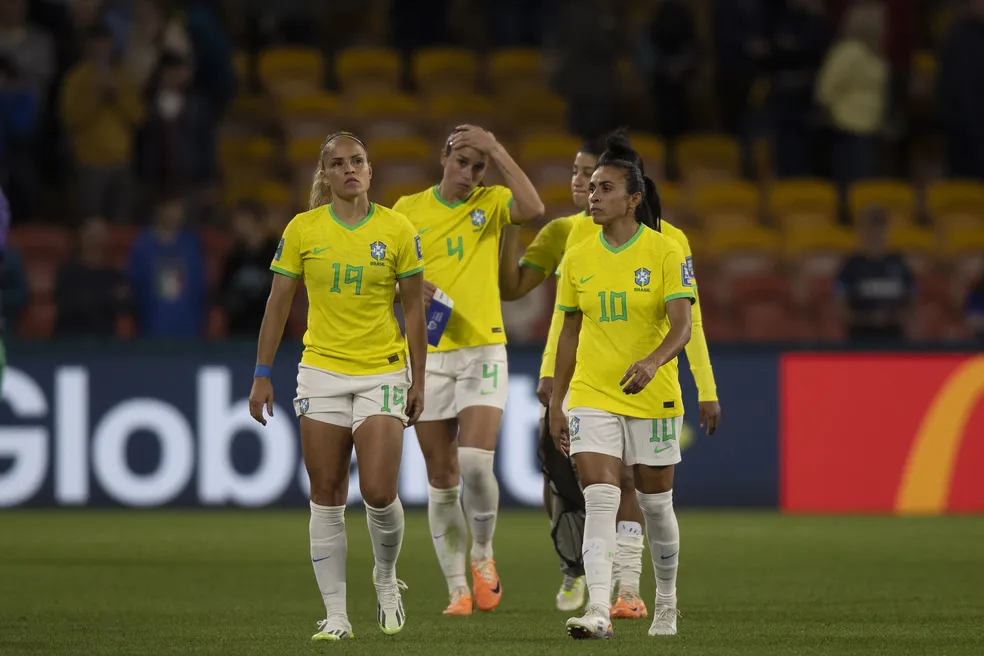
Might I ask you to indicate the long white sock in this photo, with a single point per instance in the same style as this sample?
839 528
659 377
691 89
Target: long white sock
598 549
447 525
628 556
328 552
664 542
386 531
480 498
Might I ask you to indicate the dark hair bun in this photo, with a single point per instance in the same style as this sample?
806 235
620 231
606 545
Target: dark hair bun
618 147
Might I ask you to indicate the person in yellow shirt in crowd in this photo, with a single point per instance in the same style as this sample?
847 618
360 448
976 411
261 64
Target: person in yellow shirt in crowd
101 109
542 259
353 387
627 296
460 223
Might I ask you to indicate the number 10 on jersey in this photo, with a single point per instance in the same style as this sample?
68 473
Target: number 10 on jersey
613 306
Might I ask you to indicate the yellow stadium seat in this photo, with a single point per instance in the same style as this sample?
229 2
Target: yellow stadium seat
387 116
311 115
557 200
896 198
803 203
246 158
743 250
956 204
291 71
368 70
401 161
393 192
447 111
272 193
548 158
534 113
652 150
675 210
708 157
516 69
305 151
445 70
799 241
726 204
961 242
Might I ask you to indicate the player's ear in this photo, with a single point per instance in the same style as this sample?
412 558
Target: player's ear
369 165
444 159
634 200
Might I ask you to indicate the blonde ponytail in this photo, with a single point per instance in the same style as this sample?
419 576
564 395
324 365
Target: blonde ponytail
320 191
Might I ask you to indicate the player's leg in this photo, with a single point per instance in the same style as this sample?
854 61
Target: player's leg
596 445
628 553
655 453
480 395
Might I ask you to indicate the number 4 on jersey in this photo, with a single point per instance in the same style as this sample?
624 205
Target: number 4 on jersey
458 249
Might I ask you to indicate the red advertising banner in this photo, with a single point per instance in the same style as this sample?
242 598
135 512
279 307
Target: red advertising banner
882 433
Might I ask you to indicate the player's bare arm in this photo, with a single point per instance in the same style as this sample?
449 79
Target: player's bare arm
412 291
563 373
640 373
515 281
271 332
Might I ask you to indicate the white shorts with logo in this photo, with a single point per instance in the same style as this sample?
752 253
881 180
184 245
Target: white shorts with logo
344 400
652 442
465 377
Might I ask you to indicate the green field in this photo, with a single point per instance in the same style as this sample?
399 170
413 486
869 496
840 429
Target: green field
241 583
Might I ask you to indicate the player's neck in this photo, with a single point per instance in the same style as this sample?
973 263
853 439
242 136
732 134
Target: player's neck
350 211
446 194
619 231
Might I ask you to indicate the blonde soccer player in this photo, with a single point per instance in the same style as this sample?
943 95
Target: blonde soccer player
460 223
627 298
353 387
542 258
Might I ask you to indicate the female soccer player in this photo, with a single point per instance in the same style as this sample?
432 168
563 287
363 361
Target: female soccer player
459 223
517 281
352 385
623 293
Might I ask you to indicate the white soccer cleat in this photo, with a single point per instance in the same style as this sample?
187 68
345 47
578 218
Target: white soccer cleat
594 624
389 605
664 620
333 629
572 593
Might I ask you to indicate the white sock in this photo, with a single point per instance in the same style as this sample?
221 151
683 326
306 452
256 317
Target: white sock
447 525
628 556
328 552
598 549
386 531
480 498
664 542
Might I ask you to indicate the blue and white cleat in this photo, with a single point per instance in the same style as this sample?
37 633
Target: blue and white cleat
594 624
389 605
333 629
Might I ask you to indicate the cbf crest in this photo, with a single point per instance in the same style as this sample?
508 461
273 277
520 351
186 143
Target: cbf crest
575 425
478 218
377 251
642 277
302 406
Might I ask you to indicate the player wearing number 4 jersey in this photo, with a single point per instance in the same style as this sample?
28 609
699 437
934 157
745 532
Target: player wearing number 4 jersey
352 383
459 224
627 297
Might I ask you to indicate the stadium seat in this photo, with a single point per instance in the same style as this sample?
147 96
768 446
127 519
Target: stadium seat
304 152
803 203
516 71
919 245
727 205
674 209
47 241
402 161
311 116
447 111
534 113
290 71
956 204
247 159
386 116
704 158
895 197
767 322
743 251
445 70
393 192
370 71
959 242
652 150
547 159
38 320
557 200
246 115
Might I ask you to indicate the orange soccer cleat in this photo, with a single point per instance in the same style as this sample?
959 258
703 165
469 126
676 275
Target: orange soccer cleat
488 589
629 607
461 603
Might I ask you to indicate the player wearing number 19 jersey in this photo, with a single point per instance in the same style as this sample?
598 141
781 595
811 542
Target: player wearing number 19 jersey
459 224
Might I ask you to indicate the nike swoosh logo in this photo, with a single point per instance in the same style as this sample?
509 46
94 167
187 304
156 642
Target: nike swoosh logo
584 280
388 546
318 560
659 451
320 250
438 537
497 589
670 556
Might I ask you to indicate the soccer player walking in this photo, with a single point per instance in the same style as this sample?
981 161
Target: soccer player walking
459 223
352 382
627 297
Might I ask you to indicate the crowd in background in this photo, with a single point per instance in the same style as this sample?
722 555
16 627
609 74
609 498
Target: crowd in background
110 111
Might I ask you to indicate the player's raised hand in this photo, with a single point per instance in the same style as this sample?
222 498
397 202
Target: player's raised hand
472 136
710 415
638 376
259 396
414 404
560 430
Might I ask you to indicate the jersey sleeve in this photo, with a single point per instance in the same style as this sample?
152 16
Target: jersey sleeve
287 259
698 354
547 249
409 256
566 292
503 206
676 277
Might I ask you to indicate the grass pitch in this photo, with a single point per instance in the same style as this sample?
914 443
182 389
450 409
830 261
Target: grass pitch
240 583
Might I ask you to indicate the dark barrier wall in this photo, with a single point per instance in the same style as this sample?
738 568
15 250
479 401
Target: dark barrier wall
147 425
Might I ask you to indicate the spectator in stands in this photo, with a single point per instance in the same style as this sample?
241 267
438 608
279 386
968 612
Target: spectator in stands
875 285
177 142
853 88
246 276
101 108
19 169
145 34
90 295
961 81
673 38
167 275
30 48
975 310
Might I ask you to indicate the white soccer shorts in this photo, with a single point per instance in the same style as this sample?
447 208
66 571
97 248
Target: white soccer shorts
343 400
463 378
652 442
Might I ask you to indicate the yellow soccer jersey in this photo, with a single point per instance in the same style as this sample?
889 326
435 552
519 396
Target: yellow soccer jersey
622 293
350 273
461 242
547 250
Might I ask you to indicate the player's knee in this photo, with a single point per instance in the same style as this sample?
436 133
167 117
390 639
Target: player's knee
326 492
477 466
377 494
444 474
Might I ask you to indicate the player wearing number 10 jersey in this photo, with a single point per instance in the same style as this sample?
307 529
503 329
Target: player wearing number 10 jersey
460 223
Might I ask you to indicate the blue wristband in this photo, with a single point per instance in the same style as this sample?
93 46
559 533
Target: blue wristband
262 371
